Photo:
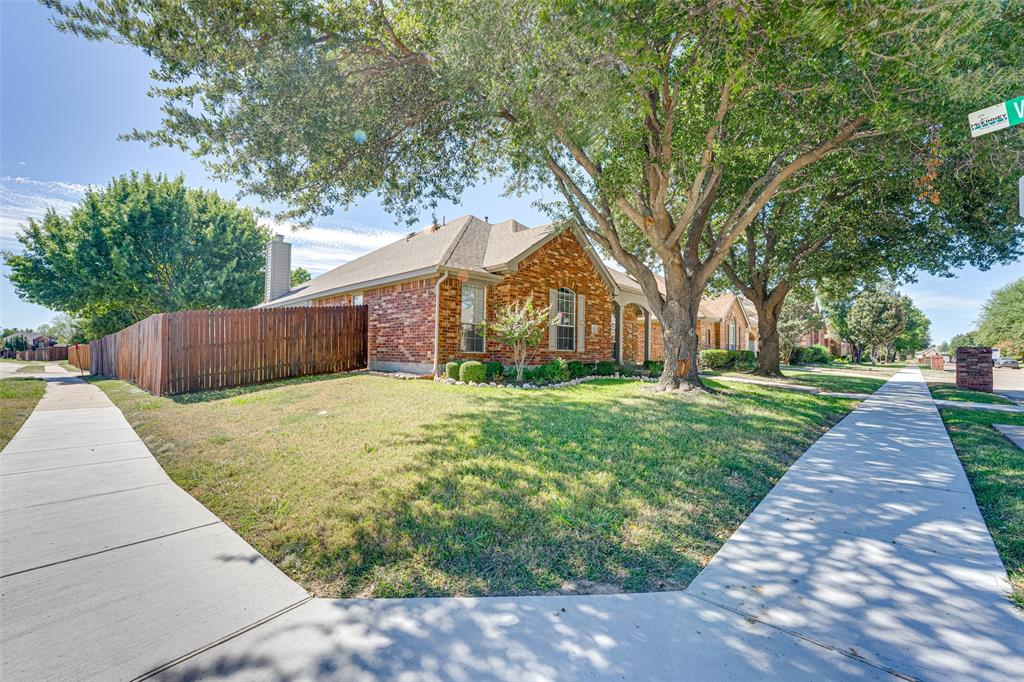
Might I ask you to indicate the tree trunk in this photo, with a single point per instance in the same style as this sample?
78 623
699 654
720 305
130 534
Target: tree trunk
768 342
679 327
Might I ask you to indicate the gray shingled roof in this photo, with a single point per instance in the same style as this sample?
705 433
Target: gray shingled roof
466 243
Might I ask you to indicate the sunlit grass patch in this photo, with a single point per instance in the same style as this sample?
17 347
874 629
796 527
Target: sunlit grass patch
363 485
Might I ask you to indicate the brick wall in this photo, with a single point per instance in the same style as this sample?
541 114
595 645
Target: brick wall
657 341
559 263
938 362
735 313
401 324
974 368
632 335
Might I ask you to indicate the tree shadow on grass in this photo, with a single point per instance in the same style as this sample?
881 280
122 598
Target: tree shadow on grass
564 491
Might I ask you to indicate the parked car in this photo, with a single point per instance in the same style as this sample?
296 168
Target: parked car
1005 362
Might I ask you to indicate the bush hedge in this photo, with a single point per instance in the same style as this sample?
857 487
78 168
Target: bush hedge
472 370
713 358
655 367
451 369
494 371
812 355
716 358
605 368
578 370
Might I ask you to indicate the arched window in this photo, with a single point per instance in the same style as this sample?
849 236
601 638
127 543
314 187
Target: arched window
566 326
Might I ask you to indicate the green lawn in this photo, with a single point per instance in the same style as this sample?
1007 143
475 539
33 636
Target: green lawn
944 391
31 369
364 485
995 467
18 397
843 382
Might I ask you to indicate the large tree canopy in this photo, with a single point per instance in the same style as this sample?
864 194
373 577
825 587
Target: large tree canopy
665 126
144 244
1002 319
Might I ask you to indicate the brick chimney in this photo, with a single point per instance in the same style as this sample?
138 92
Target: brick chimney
279 269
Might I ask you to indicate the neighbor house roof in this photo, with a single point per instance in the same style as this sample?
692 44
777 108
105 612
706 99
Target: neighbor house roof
466 244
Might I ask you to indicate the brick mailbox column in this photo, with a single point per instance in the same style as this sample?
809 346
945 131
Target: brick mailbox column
974 368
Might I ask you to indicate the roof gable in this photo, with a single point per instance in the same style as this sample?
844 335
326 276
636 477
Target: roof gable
465 244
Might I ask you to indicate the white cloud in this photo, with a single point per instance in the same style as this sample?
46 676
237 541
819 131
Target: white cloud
321 248
925 298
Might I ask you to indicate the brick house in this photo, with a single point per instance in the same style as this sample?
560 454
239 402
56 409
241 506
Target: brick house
427 292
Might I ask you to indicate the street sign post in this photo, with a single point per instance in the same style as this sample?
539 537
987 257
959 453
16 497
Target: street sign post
1020 196
997 117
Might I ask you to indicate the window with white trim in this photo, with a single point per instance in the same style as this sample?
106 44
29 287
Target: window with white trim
357 299
732 334
565 326
474 301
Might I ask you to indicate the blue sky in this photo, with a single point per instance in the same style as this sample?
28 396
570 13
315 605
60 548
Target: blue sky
64 101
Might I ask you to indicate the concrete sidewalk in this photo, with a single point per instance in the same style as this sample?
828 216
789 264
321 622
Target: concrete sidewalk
108 570
868 559
872 543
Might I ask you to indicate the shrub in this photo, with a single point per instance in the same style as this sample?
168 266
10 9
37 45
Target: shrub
714 358
578 370
813 355
451 369
742 359
472 371
494 371
554 371
605 368
510 373
655 367
627 371
843 360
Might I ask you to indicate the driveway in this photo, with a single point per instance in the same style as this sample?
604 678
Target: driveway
869 559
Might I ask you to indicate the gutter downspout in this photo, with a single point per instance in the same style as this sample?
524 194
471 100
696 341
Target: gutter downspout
437 322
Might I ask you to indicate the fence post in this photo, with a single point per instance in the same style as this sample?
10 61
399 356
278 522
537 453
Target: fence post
164 354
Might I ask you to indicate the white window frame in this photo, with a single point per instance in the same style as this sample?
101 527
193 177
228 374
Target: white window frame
732 334
357 299
463 325
560 319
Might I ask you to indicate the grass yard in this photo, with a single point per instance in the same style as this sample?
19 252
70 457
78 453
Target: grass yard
842 381
18 397
995 467
944 391
364 485
31 369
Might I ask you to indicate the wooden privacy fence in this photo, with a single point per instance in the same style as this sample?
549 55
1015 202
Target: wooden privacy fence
198 350
49 354
78 355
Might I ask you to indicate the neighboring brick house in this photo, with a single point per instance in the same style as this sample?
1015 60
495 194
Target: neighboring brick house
427 292
726 321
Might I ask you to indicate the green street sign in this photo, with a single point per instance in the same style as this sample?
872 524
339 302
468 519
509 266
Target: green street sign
997 117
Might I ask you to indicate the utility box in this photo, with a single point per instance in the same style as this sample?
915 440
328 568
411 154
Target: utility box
974 368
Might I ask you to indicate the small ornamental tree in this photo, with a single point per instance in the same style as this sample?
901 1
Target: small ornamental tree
520 326
300 276
876 318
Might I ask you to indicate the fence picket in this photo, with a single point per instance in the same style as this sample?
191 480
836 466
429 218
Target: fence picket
194 350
